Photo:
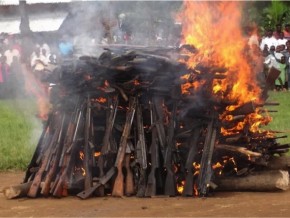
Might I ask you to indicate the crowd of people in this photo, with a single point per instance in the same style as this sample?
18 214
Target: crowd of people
273 48
10 73
39 61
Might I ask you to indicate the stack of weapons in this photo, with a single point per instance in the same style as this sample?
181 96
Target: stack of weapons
120 125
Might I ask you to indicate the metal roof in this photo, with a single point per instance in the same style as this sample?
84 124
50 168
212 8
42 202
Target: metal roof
9 2
38 22
16 2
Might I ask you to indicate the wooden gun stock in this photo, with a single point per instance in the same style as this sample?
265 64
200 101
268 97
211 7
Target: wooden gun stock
118 189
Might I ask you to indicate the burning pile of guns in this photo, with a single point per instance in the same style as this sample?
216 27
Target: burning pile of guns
121 125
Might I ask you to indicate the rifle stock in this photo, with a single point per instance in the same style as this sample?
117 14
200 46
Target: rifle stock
141 153
33 190
118 189
154 148
129 187
106 145
54 163
58 189
42 139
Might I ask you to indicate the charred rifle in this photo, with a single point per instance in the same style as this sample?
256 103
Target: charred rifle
205 172
87 149
70 149
170 181
44 162
54 160
154 150
106 139
39 147
106 148
141 153
193 144
157 102
118 189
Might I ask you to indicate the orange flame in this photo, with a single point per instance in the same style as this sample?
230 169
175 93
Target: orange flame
82 155
101 100
214 29
97 154
180 187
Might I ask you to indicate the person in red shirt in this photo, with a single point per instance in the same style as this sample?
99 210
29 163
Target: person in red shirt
278 32
287 31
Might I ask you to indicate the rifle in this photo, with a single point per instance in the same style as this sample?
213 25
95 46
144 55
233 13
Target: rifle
103 180
205 172
70 147
87 149
141 153
188 186
104 177
170 181
106 140
54 163
129 187
118 189
44 161
43 138
151 183
157 102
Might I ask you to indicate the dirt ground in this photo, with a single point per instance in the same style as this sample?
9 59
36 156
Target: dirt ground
222 204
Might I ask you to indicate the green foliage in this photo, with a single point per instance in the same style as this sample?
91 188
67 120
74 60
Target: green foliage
17 126
266 14
276 13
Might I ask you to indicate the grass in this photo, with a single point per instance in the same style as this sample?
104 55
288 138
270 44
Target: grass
281 119
19 131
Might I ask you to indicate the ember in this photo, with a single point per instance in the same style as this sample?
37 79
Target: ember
137 121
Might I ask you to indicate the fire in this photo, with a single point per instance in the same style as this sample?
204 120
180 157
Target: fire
82 155
101 100
38 90
97 154
213 28
196 166
180 187
83 171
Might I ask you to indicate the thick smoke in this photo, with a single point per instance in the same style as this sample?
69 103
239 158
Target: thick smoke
132 22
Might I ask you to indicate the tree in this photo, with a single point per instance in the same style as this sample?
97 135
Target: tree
277 13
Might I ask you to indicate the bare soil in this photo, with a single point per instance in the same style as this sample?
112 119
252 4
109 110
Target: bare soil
221 204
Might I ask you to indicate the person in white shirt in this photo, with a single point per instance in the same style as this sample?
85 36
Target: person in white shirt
38 63
268 41
10 53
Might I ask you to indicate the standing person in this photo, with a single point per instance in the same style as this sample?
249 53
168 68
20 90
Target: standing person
10 53
287 31
4 75
277 33
38 63
280 81
287 60
65 47
268 41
